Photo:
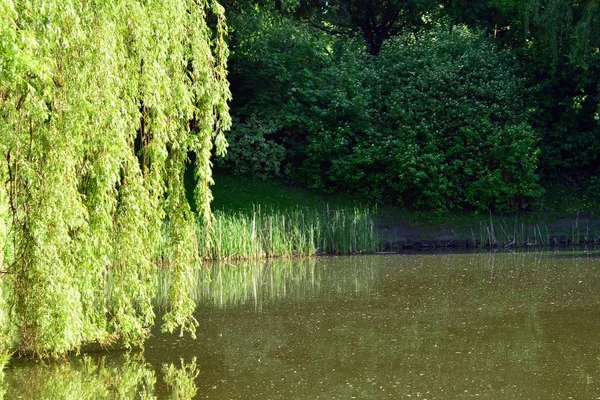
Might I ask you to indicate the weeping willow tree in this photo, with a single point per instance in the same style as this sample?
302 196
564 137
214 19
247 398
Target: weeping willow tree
101 101
568 28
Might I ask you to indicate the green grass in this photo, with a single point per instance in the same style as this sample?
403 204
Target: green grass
232 193
236 194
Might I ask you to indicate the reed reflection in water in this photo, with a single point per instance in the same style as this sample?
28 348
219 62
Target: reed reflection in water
257 282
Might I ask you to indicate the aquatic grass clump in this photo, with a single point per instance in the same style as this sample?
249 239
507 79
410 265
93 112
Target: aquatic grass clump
502 232
297 232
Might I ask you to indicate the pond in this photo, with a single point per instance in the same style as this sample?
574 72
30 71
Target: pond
422 326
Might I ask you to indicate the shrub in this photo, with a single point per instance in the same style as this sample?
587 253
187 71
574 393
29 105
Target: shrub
439 124
435 122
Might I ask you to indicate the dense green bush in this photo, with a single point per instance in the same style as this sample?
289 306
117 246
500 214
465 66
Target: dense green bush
275 73
436 122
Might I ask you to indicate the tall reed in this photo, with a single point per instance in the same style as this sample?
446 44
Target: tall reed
296 232
502 232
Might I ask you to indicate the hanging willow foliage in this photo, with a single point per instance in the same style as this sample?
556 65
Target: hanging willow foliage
100 103
569 28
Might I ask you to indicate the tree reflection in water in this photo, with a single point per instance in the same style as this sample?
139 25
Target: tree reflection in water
89 377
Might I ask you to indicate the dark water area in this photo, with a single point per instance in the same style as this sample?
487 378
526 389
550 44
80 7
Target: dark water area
421 326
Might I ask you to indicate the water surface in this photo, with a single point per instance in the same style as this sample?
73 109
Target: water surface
492 326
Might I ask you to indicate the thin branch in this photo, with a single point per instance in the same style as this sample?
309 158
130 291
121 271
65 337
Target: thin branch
332 31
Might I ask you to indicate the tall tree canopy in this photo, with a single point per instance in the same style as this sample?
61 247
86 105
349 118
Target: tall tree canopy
556 44
100 103
374 20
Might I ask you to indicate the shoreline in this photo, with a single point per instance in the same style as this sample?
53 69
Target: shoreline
496 232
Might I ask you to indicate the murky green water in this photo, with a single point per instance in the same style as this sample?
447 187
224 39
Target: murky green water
490 326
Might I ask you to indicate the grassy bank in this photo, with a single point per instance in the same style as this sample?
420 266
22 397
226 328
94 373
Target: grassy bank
298 221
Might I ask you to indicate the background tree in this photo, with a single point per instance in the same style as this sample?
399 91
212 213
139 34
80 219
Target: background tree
565 66
558 44
375 20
